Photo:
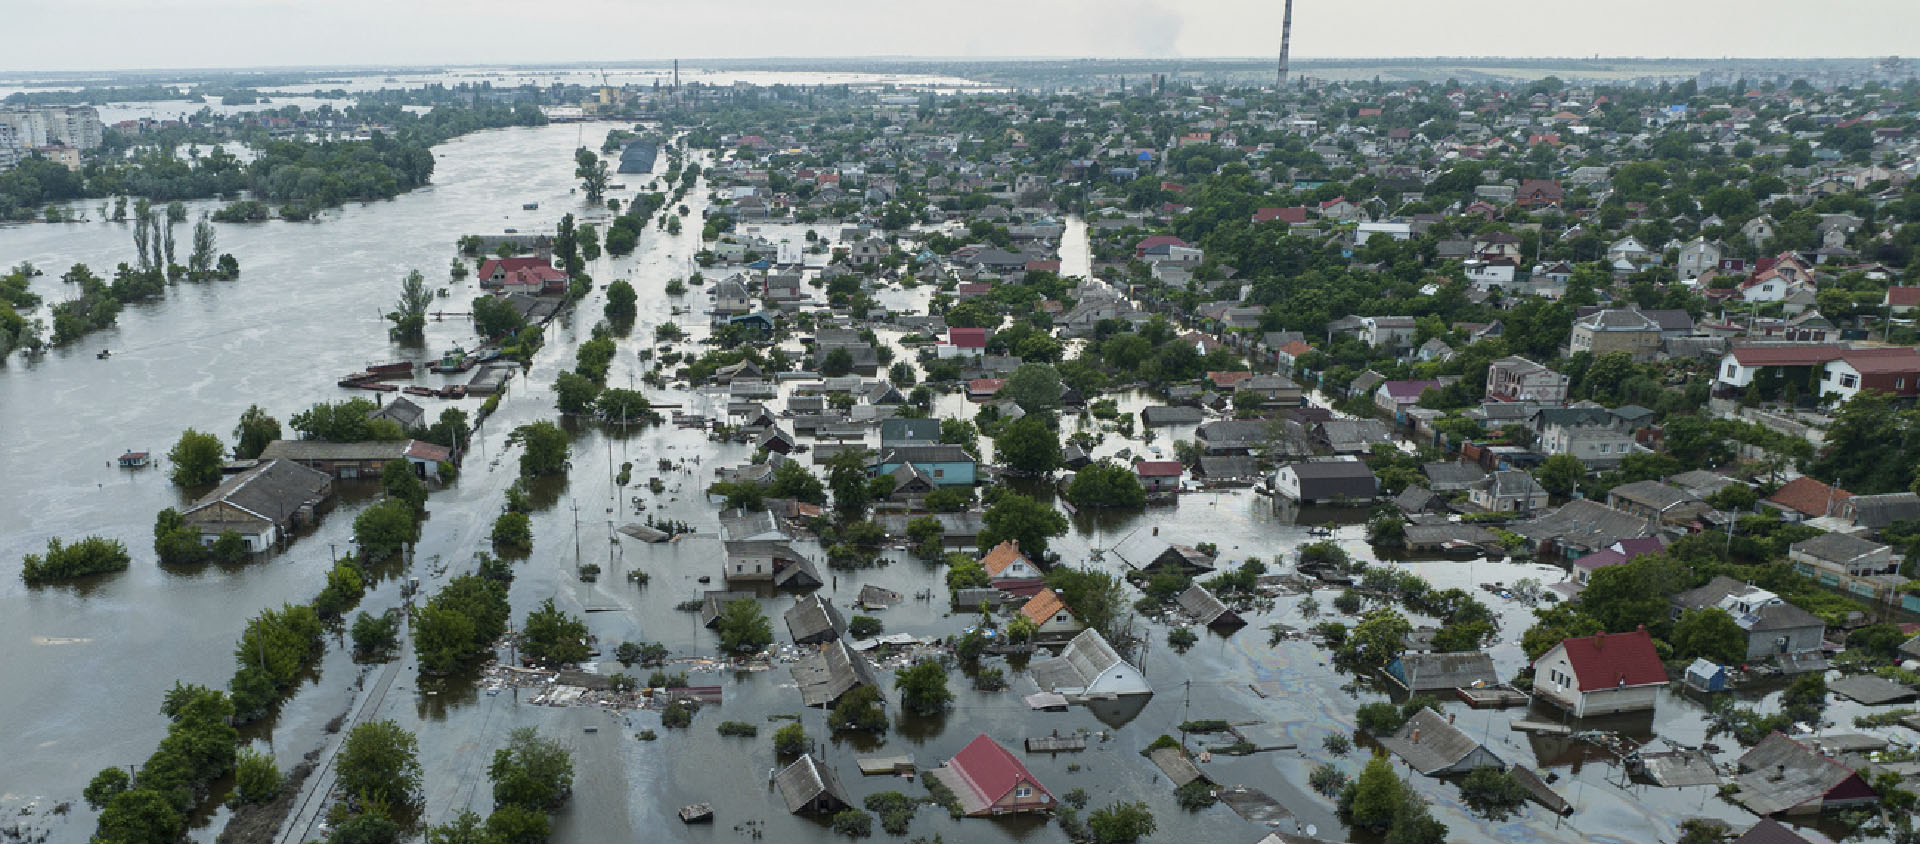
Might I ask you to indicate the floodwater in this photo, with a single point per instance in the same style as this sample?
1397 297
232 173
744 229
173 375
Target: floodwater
87 665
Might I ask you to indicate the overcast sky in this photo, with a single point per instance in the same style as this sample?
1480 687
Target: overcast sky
112 34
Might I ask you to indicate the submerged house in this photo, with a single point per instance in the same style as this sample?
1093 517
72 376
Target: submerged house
1780 776
1207 610
1091 668
1050 615
1432 745
814 620
263 505
808 786
989 780
1440 672
829 673
1601 674
768 561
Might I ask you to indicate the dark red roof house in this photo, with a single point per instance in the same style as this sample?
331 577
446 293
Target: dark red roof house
1140 249
967 338
1808 497
980 389
989 781
1292 216
1601 674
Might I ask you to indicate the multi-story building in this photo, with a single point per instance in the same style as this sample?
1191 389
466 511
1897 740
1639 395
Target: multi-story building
1518 379
41 126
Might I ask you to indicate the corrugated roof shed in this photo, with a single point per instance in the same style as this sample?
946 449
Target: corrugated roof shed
831 672
1430 672
1783 775
1173 762
1207 609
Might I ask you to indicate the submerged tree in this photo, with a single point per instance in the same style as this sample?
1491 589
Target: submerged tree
592 173
410 312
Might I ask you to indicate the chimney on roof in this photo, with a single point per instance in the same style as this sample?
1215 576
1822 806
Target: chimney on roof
1599 640
1416 736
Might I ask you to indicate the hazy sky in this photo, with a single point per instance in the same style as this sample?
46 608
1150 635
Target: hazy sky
93 34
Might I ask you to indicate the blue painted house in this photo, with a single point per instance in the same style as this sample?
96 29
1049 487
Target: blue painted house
945 465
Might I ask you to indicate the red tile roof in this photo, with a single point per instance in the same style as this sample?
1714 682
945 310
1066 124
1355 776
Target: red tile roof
967 338
1296 214
1159 468
1787 355
990 771
513 265
1808 496
1905 297
1158 240
1002 555
1042 607
1611 660
1883 361
1227 379
986 385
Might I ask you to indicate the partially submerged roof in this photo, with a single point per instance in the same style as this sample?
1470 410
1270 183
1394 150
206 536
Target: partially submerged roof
1428 672
1614 660
1207 609
832 671
814 618
1430 743
983 773
806 780
1781 775
1173 762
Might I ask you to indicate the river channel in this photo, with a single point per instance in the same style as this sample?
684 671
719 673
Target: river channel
86 666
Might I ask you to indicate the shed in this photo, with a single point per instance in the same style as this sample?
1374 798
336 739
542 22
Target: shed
1207 609
1705 676
1432 745
809 786
1677 768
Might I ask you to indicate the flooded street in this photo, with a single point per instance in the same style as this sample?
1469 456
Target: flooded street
308 309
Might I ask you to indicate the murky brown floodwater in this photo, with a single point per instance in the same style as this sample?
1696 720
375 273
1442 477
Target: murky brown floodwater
87 666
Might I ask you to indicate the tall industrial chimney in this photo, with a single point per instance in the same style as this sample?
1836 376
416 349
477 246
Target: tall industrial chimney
1286 36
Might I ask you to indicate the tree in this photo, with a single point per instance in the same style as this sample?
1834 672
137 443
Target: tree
1034 386
379 763
196 459
1374 800
401 483
1024 520
175 542
620 300
791 740
374 634
255 779
1492 793
792 480
255 431
465 828
1106 484
964 572
518 825
205 244
1097 598
546 449
531 772
513 533
409 314
592 173
495 317
1560 473
837 362
384 529
552 636
923 688
574 394
618 405
89 556
140 816
107 784
1709 633
865 627
1028 445
1120 823
1375 641
847 477
861 708
743 628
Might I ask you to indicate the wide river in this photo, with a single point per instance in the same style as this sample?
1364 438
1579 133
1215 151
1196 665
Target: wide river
85 668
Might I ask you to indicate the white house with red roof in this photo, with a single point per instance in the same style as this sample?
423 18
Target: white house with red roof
1900 300
1158 240
1159 475
989 780
1601 674
963 342
1005 562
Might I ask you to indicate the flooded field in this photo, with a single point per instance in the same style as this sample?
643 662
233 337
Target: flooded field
307 309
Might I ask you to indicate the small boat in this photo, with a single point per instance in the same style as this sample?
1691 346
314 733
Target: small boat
1319 530
530 206
1459 548
104 354
697 813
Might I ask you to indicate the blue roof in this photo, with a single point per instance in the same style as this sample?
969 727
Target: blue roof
1144 156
